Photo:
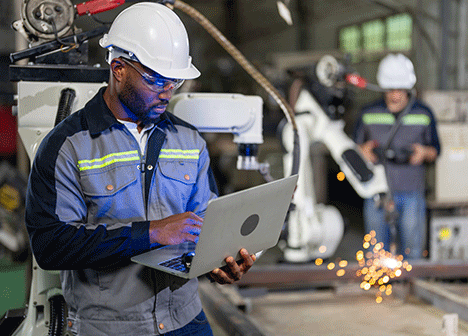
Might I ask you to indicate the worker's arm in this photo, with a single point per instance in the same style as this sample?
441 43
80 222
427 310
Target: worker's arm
430 149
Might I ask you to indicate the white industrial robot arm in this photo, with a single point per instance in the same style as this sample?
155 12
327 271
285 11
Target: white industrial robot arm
225 113
315 230
366 178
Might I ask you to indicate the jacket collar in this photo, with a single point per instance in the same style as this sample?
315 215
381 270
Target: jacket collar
99 117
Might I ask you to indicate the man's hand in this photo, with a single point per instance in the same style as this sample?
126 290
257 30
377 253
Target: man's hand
367 149
422 154
176 229
233 271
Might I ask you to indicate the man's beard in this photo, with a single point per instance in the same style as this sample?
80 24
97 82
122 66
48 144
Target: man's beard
136 105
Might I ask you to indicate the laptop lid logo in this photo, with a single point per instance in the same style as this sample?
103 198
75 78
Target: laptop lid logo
250 224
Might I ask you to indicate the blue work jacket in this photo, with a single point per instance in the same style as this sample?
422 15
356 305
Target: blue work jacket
91 195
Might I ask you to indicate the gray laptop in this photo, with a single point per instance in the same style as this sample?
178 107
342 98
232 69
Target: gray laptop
251 219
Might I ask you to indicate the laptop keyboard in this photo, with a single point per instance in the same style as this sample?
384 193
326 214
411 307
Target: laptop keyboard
177 263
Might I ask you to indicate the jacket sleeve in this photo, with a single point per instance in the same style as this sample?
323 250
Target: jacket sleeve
359 135
432 137
71 243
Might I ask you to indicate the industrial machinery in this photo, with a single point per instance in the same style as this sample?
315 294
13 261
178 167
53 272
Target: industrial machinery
448 197
13 235
315 230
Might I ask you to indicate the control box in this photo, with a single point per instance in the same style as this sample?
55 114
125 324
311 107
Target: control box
448 238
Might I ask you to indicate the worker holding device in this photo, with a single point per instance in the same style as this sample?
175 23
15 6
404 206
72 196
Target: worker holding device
400 132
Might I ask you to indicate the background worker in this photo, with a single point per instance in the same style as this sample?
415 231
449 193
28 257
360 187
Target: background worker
400 132
105 186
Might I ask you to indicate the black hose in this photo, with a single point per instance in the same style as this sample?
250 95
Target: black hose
53 317
57 303
61 309
57 315
67 96
296 154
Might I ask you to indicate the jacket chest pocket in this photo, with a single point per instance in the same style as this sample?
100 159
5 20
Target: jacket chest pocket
179 178
113 194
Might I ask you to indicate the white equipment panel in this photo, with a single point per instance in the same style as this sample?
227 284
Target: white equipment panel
449 238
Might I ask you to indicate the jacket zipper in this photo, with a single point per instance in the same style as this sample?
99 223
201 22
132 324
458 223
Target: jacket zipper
143 180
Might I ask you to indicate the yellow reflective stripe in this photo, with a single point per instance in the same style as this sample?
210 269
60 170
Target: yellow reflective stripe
108 160
180 150
133 158
179 154
378 118
416 119
168 156
108 156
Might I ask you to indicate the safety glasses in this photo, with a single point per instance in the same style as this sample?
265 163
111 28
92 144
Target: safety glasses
156 82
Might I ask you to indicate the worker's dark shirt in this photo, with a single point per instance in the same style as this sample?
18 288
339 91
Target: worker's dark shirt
418 126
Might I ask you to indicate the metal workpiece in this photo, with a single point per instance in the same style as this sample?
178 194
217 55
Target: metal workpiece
448 297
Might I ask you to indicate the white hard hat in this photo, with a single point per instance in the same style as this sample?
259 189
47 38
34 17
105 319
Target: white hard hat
396 71
155 36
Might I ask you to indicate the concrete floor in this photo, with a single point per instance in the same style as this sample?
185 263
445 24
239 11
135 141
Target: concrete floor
342 311
326 312
217 329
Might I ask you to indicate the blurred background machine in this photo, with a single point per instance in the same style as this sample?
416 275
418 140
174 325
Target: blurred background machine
450 108
448 197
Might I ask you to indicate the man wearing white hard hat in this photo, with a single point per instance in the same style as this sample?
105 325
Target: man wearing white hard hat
120 177
400 132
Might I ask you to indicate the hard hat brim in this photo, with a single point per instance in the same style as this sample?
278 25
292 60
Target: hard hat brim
190 73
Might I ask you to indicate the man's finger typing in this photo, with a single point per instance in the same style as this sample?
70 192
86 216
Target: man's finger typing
176 229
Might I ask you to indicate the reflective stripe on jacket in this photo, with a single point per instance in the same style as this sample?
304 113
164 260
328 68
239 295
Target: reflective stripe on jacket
90 198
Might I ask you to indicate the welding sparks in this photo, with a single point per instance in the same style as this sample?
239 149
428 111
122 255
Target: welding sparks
378 267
